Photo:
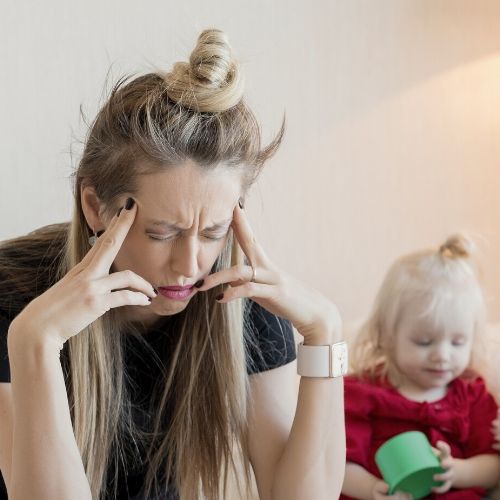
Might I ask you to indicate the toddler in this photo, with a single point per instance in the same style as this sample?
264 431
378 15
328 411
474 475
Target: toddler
412 372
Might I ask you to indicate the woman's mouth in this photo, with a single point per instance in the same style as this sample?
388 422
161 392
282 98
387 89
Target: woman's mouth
176 292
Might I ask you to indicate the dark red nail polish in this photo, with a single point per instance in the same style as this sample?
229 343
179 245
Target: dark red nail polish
199 283
119 211
100 233
129 204
150 299
220 296
240 204
155 290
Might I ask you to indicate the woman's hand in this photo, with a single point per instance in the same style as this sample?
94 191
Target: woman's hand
86 292
448 477
312 314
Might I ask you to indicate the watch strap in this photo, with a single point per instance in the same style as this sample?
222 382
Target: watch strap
328 361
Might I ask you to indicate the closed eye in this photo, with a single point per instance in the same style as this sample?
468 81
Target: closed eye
422 342
170 238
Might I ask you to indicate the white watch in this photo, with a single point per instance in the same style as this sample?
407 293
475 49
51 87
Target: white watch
322 360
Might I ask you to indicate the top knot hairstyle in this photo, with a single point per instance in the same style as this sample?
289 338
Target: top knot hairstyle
212 81
457 246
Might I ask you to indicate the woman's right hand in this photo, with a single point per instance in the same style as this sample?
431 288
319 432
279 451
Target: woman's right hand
380 492
86 292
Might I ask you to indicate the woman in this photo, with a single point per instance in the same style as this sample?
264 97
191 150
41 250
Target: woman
134 370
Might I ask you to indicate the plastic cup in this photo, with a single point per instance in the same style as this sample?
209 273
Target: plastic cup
407 463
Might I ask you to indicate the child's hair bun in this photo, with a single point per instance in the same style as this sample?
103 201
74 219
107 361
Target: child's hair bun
457 246
211 81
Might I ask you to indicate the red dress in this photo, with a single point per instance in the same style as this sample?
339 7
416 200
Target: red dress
376 412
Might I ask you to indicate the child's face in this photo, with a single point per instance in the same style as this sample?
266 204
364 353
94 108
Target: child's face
430 354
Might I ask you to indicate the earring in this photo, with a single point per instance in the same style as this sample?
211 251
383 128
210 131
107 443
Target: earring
93 239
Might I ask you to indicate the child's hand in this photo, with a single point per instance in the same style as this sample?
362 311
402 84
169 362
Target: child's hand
447 463
495 429
380 489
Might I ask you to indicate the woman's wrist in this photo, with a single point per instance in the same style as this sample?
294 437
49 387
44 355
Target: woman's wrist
325 330
23 344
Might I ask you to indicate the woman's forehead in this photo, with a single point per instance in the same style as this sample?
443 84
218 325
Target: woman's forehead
179 195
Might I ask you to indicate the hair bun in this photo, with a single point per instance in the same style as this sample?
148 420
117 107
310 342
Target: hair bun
212 80
457 246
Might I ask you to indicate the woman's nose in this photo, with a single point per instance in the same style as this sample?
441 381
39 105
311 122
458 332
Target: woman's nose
185 257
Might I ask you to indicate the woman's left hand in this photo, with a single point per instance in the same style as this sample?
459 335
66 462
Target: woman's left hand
311 313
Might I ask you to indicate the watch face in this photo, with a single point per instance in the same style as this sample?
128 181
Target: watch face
339 359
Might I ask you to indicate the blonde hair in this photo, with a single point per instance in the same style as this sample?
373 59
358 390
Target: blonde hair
148 124
436 276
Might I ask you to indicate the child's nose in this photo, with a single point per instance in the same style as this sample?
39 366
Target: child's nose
441 354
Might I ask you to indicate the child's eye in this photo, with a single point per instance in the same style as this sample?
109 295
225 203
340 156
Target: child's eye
422 342
457 343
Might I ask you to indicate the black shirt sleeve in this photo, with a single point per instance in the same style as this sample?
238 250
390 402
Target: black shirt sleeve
4 357
269 339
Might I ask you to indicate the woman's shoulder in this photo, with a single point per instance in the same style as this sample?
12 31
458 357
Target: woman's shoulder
29 265
270 340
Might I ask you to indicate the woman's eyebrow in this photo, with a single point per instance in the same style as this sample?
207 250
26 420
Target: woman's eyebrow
169 225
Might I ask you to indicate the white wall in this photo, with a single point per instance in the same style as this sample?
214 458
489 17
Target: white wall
393 112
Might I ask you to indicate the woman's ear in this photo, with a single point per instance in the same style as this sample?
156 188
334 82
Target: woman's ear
92 208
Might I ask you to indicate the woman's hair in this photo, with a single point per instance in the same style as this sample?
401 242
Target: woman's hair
150 123
441 279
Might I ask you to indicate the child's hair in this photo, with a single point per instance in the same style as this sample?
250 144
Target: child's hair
437 277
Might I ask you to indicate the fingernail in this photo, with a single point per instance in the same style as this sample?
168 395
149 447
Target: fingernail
119 211
240 204
129 204
100 233
155 290
220 296
199 283
150 299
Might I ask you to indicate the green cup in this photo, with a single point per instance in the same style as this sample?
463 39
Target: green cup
407 463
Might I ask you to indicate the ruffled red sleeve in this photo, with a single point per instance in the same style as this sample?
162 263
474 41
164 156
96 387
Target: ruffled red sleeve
358 406
483 410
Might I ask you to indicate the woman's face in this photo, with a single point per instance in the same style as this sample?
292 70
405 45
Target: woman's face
182 223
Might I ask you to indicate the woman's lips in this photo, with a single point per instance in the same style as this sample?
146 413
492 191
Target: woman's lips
176 292
176 287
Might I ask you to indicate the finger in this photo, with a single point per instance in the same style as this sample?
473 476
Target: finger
381 487
126 298
238 275
444 448
245 236
249 290
109 244
125 279
445 476
443 488
89 256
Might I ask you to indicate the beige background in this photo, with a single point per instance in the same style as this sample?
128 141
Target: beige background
393 112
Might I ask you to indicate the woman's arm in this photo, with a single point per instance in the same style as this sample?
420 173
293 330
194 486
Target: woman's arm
297 446
46 462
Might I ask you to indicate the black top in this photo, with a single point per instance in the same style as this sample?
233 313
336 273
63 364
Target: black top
274 347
